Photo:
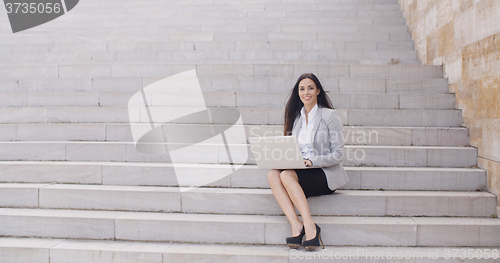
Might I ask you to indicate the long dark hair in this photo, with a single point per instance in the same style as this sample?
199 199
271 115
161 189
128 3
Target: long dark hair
294 104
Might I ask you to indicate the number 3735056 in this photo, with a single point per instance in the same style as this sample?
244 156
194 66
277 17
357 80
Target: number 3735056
33 8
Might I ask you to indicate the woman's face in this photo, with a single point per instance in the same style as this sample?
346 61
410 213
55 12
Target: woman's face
308 92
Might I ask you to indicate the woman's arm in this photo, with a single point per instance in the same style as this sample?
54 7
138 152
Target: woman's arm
336 151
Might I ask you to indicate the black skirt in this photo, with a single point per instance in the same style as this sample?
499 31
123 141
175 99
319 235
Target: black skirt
313 182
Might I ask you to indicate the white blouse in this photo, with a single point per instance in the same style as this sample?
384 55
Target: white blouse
305 132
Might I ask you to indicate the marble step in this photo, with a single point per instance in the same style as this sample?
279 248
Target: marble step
248 84
272 17
231 22
216 153
352 135
41 250
244 201
52 59
106 70
247 176
404 56
247 229
272 116
245 6
33 49
237 99
136 33
291 10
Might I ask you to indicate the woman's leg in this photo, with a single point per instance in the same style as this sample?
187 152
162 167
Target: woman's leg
281 195
291 183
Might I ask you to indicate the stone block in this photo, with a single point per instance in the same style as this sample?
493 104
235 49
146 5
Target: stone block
417 86
371 203
224 70
268 99
440 136
241 37
415 71
87 114
9 85
421 203
148 70
364 101
230 201
406 118
60 132
190 227
28 72
13 100
84 71
20 250
19 195
369 71
427 101
80 251
362 85
58 223
384 156
99 197
49 172
95 151
435 231
32 151
290 36
397 136
51 99
250 55
322 71
406 178
452 157
273 70
54 84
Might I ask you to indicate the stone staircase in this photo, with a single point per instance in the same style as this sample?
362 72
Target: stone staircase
74 188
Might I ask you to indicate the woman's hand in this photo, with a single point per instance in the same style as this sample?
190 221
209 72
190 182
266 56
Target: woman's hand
308 162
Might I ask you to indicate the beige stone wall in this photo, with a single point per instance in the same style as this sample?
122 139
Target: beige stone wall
464 36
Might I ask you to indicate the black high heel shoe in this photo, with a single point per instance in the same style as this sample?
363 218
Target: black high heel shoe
296 241
312 244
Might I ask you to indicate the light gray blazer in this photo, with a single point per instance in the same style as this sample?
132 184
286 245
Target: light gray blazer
328 145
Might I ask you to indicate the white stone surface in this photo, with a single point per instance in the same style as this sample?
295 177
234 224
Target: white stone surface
190 227
38 151
13 100
28 72
440 136
417 86
354 85
19 195
86 114
23 115
58 223
95 151
405 118
17 250
8 132
435 231
99 197
107 251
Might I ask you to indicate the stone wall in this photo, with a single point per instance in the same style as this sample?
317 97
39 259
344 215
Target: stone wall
464 36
